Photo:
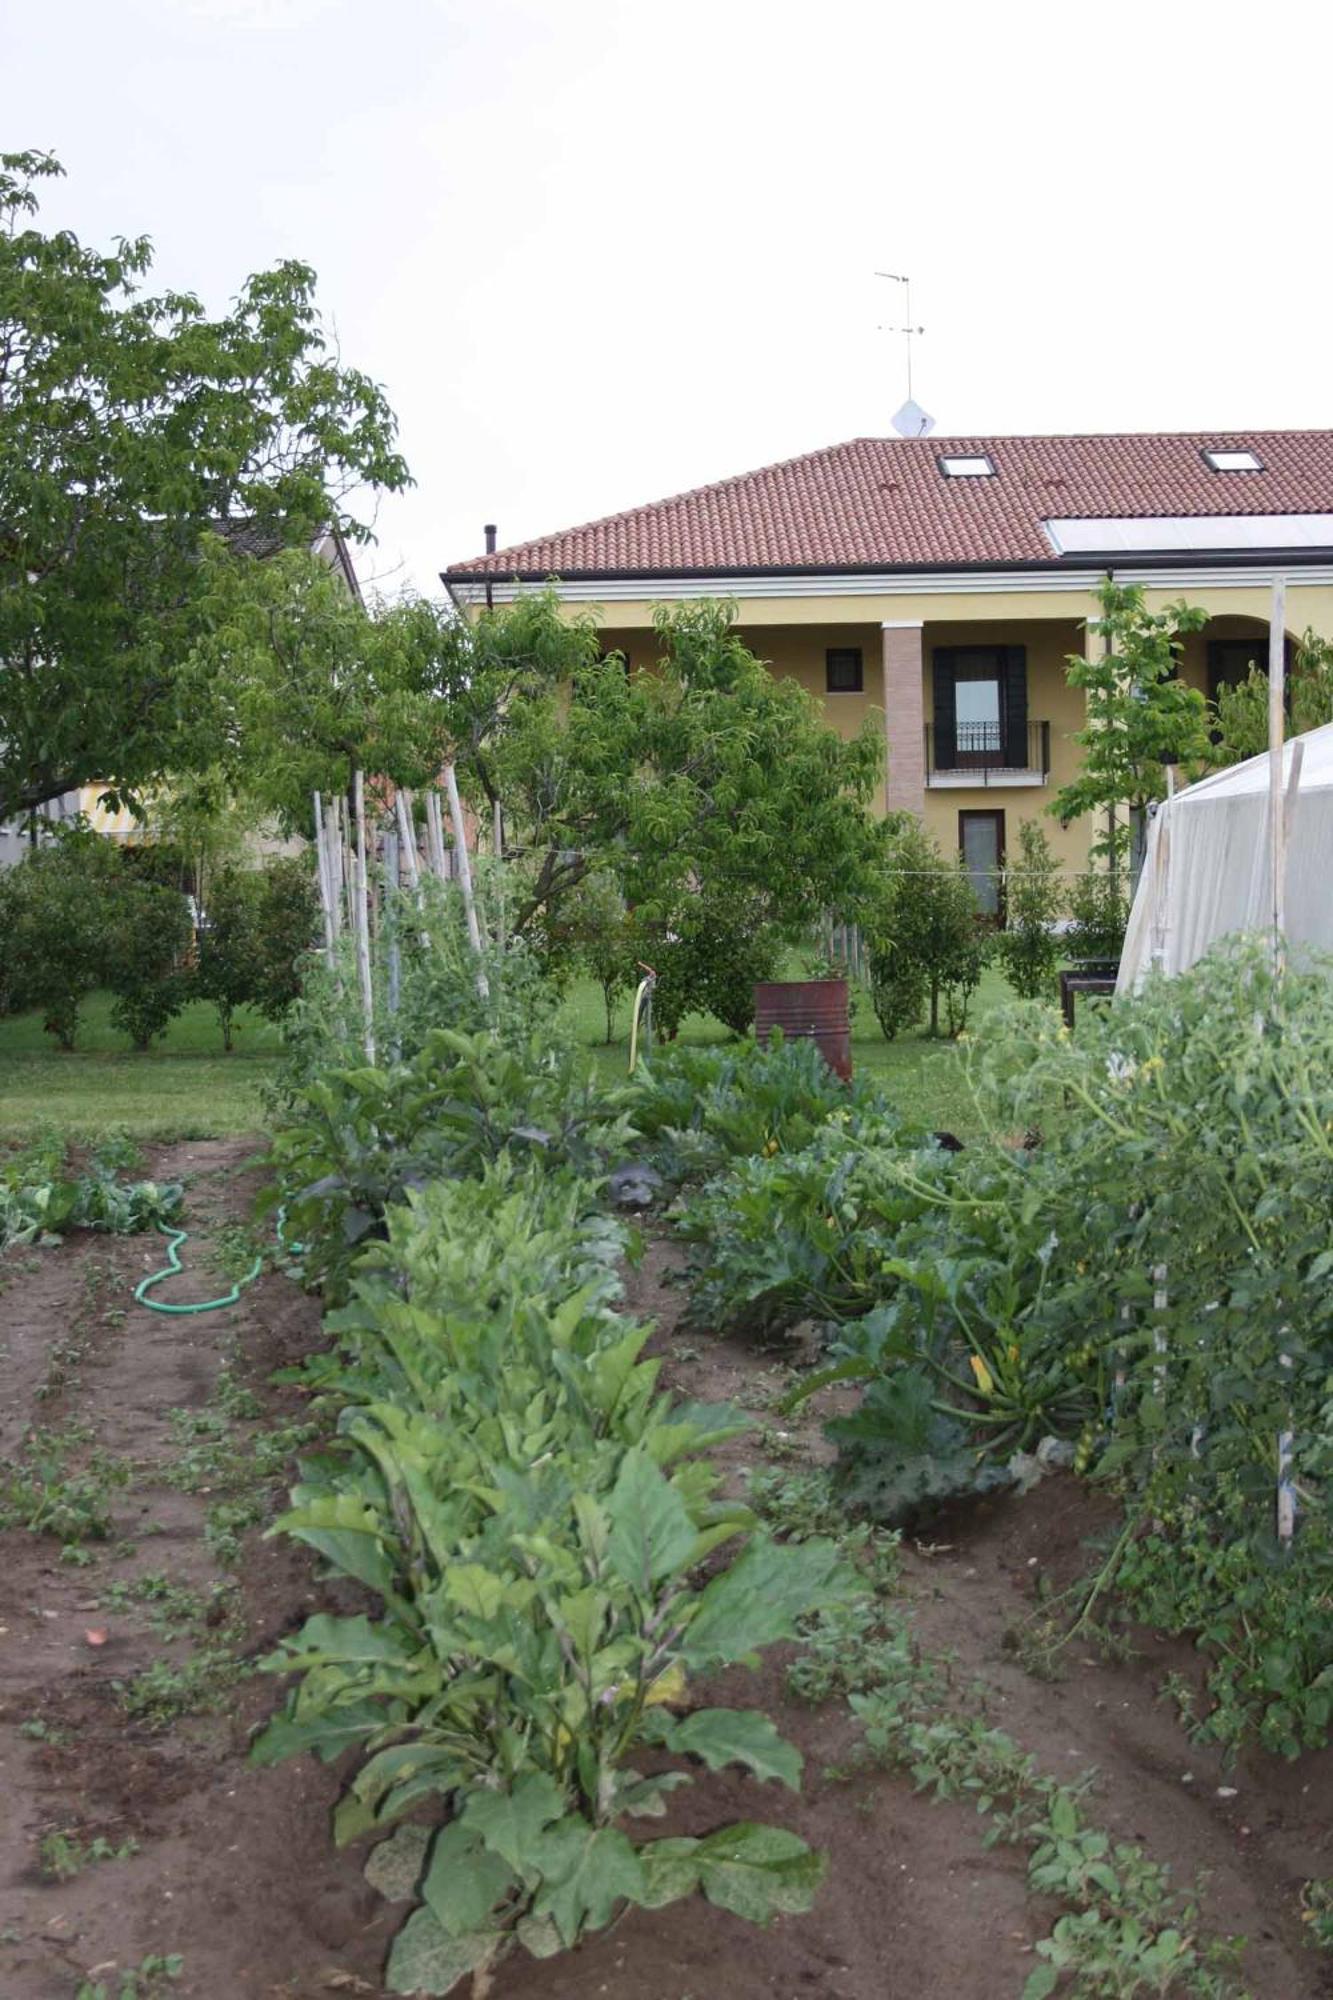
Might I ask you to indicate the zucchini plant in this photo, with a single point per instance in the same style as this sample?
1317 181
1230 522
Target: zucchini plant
702 1108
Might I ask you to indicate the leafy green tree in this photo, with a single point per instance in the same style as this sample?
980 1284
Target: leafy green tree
1099 914
298 685
923 934
286 918
1242 718
147 936
54 943
705 775
1028 948
1312 682
224 973
597 932
206 822
1242 711
259 927
130 426
1139 713
711 965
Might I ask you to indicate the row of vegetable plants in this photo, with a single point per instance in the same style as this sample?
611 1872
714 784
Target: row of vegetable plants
44 1193
546 1558
1128 1272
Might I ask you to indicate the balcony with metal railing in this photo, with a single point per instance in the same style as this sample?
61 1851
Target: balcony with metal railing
981 753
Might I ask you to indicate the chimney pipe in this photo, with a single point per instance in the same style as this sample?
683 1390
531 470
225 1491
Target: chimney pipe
490 532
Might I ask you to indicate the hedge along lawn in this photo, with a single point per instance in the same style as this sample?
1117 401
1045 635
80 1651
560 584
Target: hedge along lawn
924 1079
181 1088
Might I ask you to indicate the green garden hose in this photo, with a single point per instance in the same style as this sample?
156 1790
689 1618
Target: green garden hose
175 1237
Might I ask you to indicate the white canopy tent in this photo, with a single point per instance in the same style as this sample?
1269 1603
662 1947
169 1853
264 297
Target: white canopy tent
1207 872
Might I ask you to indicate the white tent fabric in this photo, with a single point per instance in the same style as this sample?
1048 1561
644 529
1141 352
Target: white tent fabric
1206 869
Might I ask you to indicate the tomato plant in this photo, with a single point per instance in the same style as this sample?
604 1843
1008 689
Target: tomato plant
1146 1281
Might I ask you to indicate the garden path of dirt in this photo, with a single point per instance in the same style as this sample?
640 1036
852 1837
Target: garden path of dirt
234 1867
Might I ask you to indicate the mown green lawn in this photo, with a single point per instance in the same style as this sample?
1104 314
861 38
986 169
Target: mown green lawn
185 1088
182 1088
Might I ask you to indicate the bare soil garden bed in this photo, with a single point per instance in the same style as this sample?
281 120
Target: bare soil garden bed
232 1867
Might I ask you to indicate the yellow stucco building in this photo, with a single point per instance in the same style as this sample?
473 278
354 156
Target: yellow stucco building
939 585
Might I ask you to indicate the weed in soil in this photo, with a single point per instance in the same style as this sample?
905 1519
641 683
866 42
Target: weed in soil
235 1250
55 1486
1317 1912
172 1608
62 1855
37 1731
149 1980
797 1504
72 1349
1126 1930
165 1692
236 1465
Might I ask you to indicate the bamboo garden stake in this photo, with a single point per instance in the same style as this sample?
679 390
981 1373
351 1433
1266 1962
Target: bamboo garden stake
325 881
333 862
407 835
362 916
465 876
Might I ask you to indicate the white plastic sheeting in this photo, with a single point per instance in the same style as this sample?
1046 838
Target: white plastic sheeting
1206 873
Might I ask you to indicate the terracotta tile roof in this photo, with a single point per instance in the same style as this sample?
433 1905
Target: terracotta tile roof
878 502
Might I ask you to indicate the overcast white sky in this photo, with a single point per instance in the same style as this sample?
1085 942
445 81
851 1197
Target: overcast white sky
601 250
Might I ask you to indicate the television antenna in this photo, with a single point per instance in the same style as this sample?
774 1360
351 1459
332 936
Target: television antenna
911 420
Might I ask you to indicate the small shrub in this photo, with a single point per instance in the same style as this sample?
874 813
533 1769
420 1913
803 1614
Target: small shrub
605 938
285 920
224 973
53 948
148 934
1099 909
923 935
711 965
1028 948
702 1108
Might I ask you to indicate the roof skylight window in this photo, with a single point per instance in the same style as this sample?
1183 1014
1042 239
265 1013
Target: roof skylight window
1233 461
968 467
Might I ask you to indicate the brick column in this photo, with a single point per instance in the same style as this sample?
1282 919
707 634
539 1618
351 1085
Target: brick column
904 721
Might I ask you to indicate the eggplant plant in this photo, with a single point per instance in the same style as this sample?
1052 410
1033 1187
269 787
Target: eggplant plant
554 1564
355 1141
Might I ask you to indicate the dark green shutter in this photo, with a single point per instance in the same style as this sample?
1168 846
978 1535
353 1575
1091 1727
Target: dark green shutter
946 709
1014 688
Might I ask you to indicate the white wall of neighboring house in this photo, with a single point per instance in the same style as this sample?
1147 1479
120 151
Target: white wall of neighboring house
15 838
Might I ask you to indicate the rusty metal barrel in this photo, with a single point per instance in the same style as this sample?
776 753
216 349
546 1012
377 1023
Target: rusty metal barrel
813 1008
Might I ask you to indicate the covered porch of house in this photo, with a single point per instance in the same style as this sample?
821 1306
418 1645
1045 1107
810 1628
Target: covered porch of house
978 714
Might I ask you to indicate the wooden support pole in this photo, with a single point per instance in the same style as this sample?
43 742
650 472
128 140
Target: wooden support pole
325 881
407 836
362 916
465 875
1277 729
435 836
333 854
346 862
393 960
